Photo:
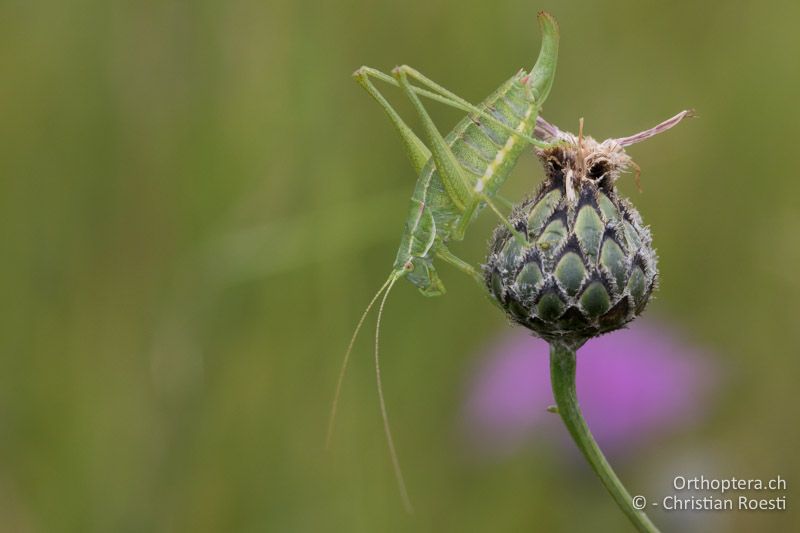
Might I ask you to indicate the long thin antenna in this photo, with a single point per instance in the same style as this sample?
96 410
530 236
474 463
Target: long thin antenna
398 472
343 370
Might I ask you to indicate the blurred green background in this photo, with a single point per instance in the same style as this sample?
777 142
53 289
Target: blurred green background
198 202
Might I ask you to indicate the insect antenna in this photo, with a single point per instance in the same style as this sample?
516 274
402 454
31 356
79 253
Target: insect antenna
398 472
346 360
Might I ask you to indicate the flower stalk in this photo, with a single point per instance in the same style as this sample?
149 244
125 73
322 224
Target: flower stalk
562 376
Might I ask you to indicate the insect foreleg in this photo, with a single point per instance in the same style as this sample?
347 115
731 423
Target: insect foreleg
416 150
450 171
447 256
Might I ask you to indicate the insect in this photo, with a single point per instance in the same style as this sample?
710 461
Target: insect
458 175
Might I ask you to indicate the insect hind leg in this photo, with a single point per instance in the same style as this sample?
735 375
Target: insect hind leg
452 99
417 152
447 165
448 98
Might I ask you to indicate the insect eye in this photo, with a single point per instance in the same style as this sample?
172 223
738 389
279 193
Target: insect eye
408 266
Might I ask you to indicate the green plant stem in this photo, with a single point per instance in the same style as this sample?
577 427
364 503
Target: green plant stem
562 376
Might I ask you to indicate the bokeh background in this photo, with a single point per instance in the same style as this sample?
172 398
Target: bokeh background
198 202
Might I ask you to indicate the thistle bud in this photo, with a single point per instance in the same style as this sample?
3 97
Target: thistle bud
582 262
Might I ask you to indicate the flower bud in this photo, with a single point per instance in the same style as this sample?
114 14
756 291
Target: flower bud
582 262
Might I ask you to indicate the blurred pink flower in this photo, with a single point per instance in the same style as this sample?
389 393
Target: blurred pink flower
633 385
